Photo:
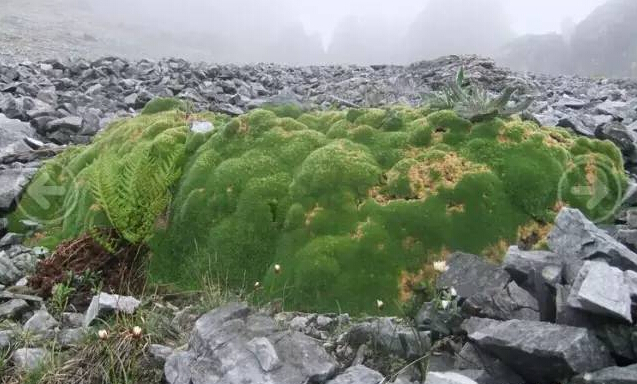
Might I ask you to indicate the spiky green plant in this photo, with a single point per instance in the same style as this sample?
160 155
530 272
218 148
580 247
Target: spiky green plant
474 103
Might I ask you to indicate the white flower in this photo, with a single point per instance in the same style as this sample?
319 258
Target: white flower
440 266
257 285
445 304
277 268
453 292
380 304
102 334
137 331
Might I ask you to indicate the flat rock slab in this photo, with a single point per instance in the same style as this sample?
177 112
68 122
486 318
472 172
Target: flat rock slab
576 237
447 378
543 353
610 375
28 359
40 322
13 308
470 274
511 302
358 374
12 183
233 345
105 303
601 289
522 265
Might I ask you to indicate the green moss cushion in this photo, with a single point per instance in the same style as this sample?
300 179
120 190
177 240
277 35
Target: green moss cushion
353 205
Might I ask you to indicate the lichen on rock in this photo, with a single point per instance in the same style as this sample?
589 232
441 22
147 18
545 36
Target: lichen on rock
352 205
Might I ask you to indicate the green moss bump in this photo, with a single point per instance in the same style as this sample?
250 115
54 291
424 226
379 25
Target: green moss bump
353 205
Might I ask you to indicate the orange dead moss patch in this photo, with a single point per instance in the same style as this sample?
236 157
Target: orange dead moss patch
409 281
532 233
496 252
427 176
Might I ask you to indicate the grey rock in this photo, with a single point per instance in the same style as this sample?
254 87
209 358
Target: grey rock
447 378
160 352
610 375
70 337
7 339
12 135
9 274
10 239
219 351
543 352
28 359
265 353
567 315
617 337
106 303
619 135
72 320
509 303
471 357
470 274
12 182
522 265
40 322
577 237
390 337
358 374
630 277
627 237
601 289
13 309
631 218
70 123
475 324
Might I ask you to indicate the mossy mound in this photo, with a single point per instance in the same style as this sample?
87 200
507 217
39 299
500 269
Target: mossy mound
353 205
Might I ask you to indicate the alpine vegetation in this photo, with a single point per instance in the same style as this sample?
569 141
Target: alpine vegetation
328 210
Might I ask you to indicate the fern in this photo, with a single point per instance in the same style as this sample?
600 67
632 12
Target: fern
135 190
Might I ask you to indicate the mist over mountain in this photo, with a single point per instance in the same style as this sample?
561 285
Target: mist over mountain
589 37
450 26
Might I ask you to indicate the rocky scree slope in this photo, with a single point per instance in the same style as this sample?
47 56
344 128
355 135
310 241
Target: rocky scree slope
581 104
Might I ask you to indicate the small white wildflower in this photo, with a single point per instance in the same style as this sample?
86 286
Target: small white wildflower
445 304
379 304
102 334
440 266
277 268
137 331
257 285
453 292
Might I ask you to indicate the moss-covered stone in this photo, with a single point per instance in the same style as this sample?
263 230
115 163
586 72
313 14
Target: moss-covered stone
353 205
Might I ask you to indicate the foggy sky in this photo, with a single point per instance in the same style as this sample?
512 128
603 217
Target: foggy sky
342 31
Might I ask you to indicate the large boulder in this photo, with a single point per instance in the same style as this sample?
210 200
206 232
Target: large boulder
358 374
13 181
12 136
601 289
577 238
511 302
543 353
470 274
231 344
